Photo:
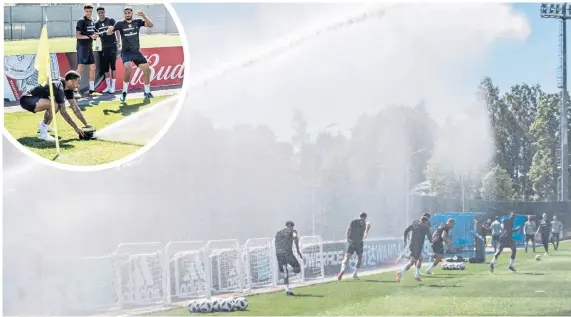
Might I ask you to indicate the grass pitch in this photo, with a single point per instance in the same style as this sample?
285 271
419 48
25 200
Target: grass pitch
538 288
23 126
67 44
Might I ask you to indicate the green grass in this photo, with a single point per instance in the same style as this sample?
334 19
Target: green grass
23 127
537 288
67 44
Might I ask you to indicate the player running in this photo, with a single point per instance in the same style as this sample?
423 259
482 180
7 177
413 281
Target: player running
38 99
496 229
356 233
506 240
108 54
544 229
529 231
440 237
85 33
284 241
130 48
556 228
418 230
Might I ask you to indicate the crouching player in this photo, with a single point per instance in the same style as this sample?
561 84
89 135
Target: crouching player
419 230
285 238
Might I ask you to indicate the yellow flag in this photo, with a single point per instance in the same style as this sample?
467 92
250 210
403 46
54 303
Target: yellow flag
42 63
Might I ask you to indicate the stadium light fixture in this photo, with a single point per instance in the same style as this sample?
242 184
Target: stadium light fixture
562 13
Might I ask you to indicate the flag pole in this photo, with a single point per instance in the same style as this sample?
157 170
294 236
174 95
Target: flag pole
53 107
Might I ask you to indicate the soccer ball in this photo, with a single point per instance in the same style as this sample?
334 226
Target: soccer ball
205 307
241 303
226 305
215 303
537 258
193 307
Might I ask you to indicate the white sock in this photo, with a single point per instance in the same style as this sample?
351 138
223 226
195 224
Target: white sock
356 270
404 269
417 271
287 288
125 87
512 262
113 83
493 261
43 128
91 85
343 267
148 88
108 82
430 267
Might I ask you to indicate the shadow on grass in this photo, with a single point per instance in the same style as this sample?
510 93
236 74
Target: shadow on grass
439 286
531 273
126 110
307 295
34 142
379 281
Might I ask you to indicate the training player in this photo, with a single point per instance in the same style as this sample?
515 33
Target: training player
38 99
440 237
529 231
544 229
506 240
356 233
85 33
556 228
284 241
418 230
130 48
496 229
108 54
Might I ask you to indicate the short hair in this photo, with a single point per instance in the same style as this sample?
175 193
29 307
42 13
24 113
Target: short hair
450 220
127 8
289 224
426 214
423 219
100 8
363 215
87 6
72 75
497 218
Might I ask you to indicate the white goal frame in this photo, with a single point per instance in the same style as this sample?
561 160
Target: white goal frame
227 244
179 249
261 242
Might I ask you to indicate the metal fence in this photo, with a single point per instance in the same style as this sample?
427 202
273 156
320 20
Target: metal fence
25 21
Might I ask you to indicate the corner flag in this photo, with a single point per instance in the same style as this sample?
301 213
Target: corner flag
43 65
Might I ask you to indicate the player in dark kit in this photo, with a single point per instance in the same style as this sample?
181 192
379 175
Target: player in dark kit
85 33
38 99
284 241
440 237
544 229
506 240
356 233
419 231
108 54
130 48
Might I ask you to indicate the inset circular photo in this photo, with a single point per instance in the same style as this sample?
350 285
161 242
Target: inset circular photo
91 86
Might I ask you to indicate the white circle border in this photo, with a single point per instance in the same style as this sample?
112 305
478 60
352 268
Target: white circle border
146 147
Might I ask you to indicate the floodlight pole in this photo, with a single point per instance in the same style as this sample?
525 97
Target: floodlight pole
561 12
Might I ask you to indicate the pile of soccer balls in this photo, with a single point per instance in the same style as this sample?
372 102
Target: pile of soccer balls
214 305
453 266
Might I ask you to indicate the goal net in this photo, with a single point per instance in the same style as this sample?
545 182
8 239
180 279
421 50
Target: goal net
140 128
186 271
312 263
225 266
258 257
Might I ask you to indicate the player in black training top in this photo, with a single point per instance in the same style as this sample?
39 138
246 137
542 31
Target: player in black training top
130 48
108 54
284 241
419 230
506 240
544 229
439 238
356 233
85 33
38 99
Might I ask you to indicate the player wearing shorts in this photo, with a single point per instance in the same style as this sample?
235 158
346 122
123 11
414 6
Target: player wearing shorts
356 233
284 241
38 99
85 33
440 237
108 54
130 48
529 232
419 231
506 240
556 229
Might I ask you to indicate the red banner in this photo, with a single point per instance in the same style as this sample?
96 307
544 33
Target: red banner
167 69
166 63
